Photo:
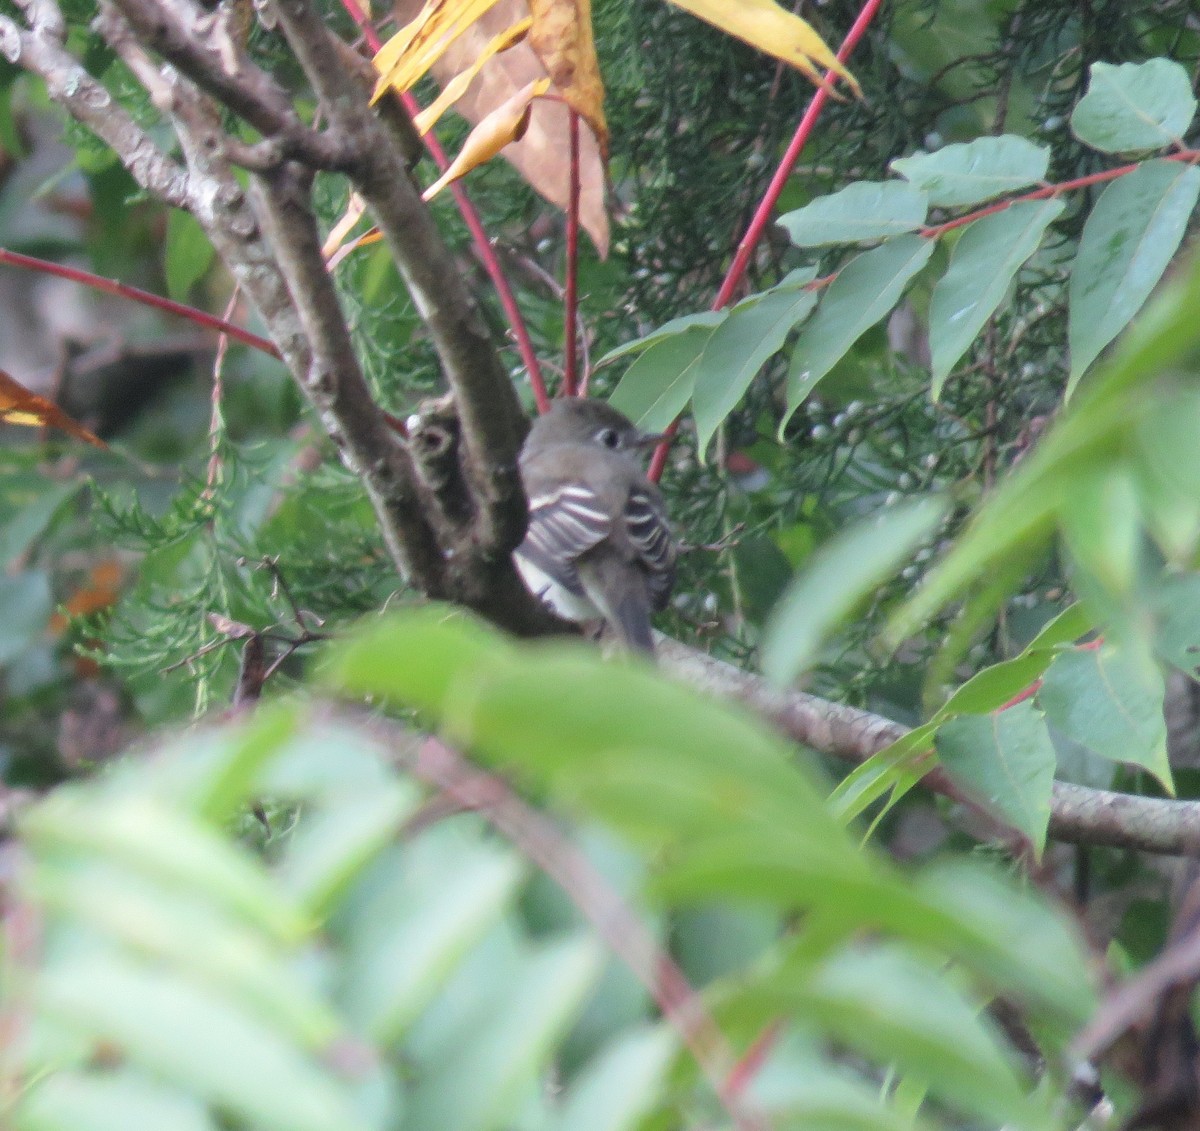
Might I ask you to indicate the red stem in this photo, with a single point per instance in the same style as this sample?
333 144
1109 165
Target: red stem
483 245
1190 155
136 294
570 384
762 216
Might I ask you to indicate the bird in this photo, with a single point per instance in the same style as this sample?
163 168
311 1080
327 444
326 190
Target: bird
598 543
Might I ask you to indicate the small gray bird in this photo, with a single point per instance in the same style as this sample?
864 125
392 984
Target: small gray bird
598 542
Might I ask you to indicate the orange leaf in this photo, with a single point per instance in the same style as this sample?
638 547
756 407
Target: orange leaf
100 588
505 124
19 406
418 45
457 86
767 26
562 38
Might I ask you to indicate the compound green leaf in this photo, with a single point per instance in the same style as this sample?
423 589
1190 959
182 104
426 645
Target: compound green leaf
865 210
975 171
1006 760
1110 701
1127 242
1134 106
865 291
985 260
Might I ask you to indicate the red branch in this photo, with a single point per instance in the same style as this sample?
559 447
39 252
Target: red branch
762 216
541 841
570 384
483 245
136 294
1192 156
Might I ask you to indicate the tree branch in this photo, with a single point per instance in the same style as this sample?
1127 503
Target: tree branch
202 46
493 424
1078 814
39 49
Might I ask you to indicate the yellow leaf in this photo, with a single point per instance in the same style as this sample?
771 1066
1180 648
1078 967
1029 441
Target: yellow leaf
457 86
19 406
337 235
767 26
562 38
503 125
542 156
440 23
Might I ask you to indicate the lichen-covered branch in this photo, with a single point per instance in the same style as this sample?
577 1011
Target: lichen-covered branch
39 49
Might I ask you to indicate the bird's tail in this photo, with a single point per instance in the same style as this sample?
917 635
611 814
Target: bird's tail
623 598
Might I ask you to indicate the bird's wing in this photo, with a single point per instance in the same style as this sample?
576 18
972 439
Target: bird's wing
650 534
564 522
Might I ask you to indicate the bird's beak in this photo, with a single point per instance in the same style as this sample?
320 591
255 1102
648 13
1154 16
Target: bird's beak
649 439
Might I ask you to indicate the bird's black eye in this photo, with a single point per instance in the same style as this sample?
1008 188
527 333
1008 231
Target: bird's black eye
609 437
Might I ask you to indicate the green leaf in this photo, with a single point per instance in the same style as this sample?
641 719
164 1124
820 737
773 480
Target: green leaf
1134 106
865 291
886 770
841 574
478 1084
177 927
985 260
1024 947
198 1041
1006 760
1126 244
110 1101
1178 607
189 254
991 688
135 832
620 1085
25 607
704 320
885 1003
1102 526
658 385
332 845
28 504
865 210
1111 701
414 656
754 332
975 171
417 913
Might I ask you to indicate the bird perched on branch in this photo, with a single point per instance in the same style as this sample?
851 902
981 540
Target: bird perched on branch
598 542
